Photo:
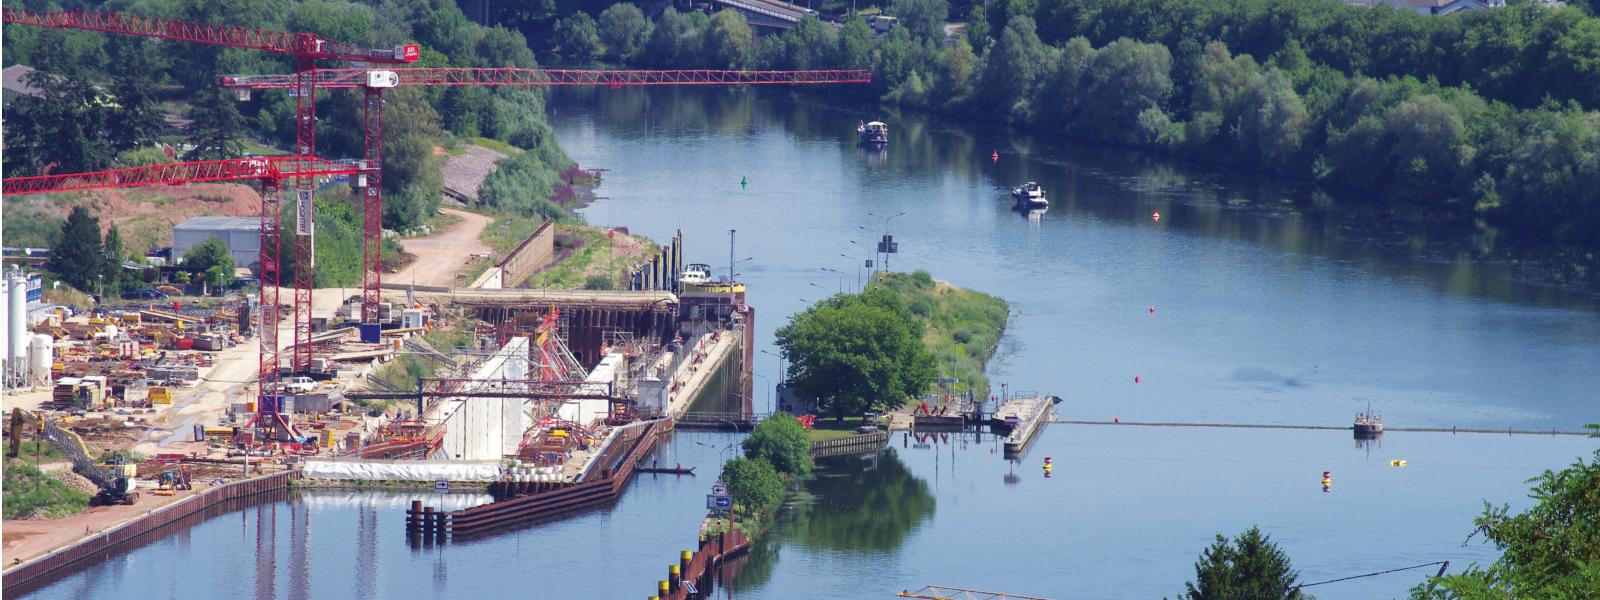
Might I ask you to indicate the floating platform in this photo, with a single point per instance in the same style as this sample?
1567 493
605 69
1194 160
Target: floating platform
668 470
1021 418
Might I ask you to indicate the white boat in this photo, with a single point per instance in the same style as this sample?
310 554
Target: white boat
875 133
1029 195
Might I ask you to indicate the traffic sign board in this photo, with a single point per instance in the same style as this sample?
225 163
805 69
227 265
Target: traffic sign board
719 489
441 487
724 501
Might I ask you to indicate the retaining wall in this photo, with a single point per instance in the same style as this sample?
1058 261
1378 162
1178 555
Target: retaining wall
91 547
528 256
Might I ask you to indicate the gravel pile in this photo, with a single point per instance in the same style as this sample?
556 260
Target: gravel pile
77 482
465 173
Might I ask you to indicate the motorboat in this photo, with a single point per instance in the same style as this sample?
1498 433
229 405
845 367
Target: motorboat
1029 195
875 133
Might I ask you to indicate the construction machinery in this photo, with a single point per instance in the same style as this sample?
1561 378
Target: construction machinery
116 486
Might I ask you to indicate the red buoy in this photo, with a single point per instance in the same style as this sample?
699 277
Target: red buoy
995 157
1156 216
1116 419
1136 379
1152 310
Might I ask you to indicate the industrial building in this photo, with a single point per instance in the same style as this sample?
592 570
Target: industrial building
242 236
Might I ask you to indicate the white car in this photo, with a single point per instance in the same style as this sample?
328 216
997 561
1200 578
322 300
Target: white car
300 385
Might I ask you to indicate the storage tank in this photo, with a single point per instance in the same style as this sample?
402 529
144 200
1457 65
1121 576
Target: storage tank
16 323
41 356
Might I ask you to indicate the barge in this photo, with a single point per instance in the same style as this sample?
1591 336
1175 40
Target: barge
1021 418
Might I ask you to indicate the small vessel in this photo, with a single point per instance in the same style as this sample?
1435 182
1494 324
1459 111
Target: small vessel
680 470
875 133
1029 195
1368 424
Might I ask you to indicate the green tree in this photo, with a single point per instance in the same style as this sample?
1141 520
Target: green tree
61 130
925 18
112 269
1250 566
857 352
412 181
1013 66
1551 550
78 256
578 37
753 483
855 45
216 129
978 26
1125 79
135 121
210 261
729 40
782 442
623 30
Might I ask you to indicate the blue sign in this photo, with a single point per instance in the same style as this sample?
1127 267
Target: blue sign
719 502
441 487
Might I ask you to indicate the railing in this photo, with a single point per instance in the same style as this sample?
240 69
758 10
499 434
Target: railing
734 421
855 444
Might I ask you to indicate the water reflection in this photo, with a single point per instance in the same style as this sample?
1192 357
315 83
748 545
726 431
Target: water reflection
852 504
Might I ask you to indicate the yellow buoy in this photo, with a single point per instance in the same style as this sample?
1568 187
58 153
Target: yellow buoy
1398 462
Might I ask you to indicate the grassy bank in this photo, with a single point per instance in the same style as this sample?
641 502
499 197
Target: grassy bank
962 327
596 258
33 494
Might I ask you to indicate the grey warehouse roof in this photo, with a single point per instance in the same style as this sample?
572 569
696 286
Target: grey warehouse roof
222 224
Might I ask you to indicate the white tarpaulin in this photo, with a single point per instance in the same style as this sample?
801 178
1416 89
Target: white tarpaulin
401 471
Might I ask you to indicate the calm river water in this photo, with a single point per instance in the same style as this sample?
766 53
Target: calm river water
1271 307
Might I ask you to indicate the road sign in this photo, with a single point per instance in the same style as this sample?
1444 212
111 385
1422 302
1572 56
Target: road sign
441 487
719 489
723 502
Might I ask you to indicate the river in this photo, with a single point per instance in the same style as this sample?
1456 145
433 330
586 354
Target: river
1272 304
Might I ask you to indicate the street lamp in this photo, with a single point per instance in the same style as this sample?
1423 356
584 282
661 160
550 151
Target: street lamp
813 284
839 274
858 267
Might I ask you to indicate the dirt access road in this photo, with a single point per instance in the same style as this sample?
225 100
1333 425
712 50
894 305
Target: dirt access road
440 257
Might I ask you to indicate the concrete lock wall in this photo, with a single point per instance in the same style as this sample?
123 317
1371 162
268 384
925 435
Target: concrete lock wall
530 255
486 428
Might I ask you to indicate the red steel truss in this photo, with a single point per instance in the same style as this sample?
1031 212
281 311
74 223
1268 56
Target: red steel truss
232 169
436 77
306 45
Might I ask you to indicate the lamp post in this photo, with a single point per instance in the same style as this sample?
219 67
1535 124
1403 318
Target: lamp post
839 274
858 268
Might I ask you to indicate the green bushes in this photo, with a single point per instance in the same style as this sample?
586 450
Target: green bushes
30 493
753 483
961 327
782 442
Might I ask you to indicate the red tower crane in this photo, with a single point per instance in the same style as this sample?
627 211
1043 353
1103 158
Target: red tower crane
270 172
373 82
307 48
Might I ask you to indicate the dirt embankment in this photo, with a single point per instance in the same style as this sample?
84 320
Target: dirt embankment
144 216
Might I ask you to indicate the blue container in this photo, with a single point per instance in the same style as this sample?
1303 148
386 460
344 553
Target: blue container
371 333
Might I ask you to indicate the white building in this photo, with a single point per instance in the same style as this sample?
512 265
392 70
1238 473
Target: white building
242 236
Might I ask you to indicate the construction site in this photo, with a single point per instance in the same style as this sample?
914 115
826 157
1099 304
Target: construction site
156 402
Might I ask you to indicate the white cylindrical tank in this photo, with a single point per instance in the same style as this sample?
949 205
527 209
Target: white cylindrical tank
41 356
5 335
17 318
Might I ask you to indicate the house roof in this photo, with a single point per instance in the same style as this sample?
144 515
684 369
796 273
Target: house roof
14 80
221 224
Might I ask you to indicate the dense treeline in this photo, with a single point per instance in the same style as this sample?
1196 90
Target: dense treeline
1340 109
105 95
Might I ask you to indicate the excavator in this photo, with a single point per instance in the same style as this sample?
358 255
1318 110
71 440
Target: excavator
115 487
